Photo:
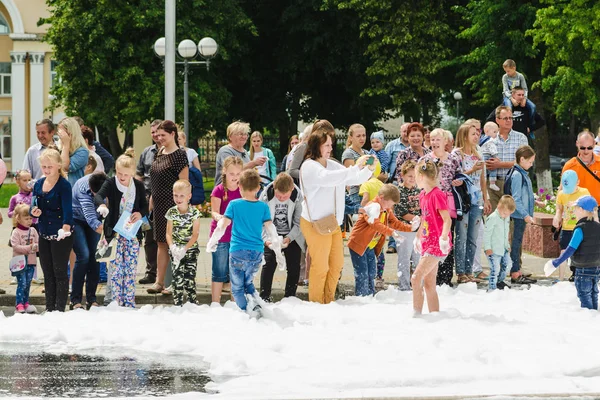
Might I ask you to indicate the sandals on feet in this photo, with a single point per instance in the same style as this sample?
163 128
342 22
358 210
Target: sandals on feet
461 278
155 289
482 275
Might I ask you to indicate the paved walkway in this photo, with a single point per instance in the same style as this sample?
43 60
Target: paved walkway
203 276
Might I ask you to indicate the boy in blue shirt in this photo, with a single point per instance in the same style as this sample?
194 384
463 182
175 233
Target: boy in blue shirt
248 216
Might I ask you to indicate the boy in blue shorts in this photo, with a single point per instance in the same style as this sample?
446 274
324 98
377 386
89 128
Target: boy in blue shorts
249 216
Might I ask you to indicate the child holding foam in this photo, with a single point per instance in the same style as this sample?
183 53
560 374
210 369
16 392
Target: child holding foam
565 218
433 237
369 235
249 216
584 252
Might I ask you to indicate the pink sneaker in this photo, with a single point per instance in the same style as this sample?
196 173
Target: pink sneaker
30 309
20 308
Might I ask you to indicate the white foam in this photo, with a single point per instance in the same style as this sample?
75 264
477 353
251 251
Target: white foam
504 342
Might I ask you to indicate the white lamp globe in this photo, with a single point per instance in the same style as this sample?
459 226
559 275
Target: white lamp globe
160 47
208 47
187 49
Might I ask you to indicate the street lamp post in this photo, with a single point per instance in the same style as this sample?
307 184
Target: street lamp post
51 99
187 50
169 55
458 98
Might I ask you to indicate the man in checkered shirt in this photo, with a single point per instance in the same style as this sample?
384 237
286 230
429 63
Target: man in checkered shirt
509 141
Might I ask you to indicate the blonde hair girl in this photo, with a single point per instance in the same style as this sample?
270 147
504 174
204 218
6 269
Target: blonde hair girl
74 152
24 242
269 168
433 237
123 194
52 204
220 197
465 248
126 161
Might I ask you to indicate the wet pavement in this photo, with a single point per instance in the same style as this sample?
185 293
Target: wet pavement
26 372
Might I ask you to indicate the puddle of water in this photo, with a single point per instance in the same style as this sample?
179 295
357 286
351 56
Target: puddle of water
73 375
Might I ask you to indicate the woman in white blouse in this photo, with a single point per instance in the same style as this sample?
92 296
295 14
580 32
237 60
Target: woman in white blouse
323 182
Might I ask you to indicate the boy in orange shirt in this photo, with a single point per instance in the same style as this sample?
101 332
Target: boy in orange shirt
369 235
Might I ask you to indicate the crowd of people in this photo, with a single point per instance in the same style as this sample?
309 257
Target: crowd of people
436 199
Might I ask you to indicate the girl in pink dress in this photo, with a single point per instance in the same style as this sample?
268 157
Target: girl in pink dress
433 236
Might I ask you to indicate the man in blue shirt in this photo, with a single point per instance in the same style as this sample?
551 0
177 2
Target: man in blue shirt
396 146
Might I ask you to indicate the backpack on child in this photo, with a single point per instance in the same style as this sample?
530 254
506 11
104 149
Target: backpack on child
508 181
198 196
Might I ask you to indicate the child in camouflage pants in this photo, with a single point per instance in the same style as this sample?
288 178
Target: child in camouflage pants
183 226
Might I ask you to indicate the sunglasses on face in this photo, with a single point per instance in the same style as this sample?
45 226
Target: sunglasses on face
586 148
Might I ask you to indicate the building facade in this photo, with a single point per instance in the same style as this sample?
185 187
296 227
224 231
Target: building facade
26 76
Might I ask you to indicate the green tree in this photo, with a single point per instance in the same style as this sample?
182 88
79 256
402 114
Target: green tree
110 75
570 33
496 30
305 62
409 45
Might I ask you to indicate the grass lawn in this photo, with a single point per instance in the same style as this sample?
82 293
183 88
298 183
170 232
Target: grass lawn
209 185
6 192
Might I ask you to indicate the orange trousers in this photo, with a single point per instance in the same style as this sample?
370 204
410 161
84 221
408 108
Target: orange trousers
327 260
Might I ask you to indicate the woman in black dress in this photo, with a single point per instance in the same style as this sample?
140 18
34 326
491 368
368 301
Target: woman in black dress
170 165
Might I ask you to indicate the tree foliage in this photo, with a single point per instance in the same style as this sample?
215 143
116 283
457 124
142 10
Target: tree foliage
305 62
110 75
495 32
409 45
570 33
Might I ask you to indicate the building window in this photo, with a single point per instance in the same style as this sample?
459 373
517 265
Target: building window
5 137
54 79
4 27
5 69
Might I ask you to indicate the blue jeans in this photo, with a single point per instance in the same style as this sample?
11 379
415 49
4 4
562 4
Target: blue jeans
85 242
24 284
498 267
243 265
365 267
220 263
352 204
517 242
586 283
465 240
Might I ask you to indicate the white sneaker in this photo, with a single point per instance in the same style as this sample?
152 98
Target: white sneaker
38 281
13 280
494 187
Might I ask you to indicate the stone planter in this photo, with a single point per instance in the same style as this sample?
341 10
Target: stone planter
538 237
